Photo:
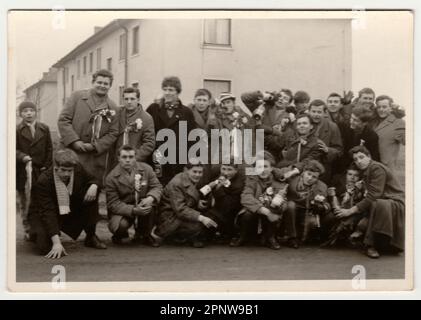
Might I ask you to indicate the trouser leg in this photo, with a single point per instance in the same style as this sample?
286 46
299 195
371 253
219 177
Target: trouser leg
290 220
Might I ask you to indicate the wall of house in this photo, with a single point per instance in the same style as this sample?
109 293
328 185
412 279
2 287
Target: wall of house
313 55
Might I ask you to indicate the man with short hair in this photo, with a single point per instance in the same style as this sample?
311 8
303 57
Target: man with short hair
339 108
133 192
330 140
63 199
227 196
168 113
182 211
303 192
366 95
136 127
89 126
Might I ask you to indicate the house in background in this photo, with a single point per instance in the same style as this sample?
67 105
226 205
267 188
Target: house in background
221 55
44 94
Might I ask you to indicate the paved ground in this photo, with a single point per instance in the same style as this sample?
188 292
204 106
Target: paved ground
216 262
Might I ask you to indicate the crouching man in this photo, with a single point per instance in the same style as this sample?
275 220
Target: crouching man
263 202
181 211
307 203
227 182
63 199
133 192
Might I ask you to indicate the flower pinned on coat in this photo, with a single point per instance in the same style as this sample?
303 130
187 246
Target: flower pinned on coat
96 120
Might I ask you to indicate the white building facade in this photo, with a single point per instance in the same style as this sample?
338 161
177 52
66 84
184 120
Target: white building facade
219 54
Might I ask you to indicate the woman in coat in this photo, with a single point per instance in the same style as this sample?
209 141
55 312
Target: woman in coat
391 132
385 202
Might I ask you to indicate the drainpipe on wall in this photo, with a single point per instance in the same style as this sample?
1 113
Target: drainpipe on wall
126 60
64 85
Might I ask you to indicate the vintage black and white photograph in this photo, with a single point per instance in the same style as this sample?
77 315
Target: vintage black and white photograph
210 150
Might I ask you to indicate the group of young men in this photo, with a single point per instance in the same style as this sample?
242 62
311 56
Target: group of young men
324 176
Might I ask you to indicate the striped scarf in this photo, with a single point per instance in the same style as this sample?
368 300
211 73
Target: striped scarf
63 193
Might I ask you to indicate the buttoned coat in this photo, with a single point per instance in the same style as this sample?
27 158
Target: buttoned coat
179 203
391 132
120 189
143 139
39 148
75 123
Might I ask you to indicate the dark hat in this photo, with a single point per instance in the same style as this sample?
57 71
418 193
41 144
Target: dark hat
27 104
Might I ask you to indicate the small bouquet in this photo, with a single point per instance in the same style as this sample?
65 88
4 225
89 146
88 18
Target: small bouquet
105 113
139 187
279 200
267 197
134 126
238 121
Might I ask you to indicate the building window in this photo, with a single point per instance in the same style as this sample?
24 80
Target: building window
98 58
135 40
72 84
78 69
217 32
91 62
110 64
123 46
84 65
120 90
216 87
66 74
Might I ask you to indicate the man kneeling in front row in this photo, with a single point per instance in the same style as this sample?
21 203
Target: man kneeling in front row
63 199
133 191
182 211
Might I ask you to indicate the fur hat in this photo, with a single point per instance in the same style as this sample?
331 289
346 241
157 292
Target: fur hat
27 104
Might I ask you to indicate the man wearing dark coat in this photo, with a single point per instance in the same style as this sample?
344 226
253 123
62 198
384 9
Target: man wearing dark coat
63 199
133 193
136 127
88 124
227 196
33 147
169 113
356 133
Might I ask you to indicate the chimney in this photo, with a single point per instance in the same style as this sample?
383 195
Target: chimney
96 29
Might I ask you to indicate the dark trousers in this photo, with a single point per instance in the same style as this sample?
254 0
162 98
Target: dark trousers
224 219
182 229
248 224
119 225
84 217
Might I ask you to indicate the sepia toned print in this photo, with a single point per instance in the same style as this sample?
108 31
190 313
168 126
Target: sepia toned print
171 151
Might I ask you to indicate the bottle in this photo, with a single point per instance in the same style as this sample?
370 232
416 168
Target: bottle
206 191
331 192
259 112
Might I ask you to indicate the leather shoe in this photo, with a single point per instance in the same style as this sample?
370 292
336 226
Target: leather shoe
94 242
237 242
121 241
292 243
372 253
198 244
273 243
